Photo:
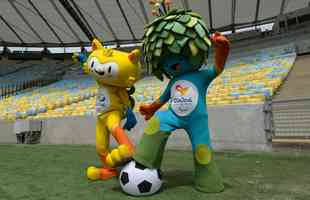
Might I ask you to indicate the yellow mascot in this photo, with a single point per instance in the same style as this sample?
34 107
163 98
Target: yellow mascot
115 73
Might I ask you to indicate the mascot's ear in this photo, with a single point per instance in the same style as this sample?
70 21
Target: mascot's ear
109 52
96 44
134 56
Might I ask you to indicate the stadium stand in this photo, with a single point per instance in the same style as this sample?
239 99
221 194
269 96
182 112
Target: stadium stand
248 79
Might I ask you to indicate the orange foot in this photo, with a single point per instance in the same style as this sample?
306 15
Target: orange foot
94 173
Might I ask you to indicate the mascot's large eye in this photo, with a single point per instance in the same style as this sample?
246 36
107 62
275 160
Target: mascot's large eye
93 62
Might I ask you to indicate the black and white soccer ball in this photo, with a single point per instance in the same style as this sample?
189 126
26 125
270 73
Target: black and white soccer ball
137 180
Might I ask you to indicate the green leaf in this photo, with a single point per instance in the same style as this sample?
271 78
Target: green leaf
159 43
157 19
152 46
203 24
164 34
184 18
149 31
201 44
147 47
183 41
161 26
169 26
172 11
170 39
193 48
207 40
170 17
193 21
190 33
194 14
153 38
175 48
157 52
200 30
178 28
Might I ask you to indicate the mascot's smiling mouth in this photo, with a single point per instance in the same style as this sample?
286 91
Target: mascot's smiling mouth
98 72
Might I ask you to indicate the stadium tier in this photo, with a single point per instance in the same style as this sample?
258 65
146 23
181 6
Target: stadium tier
246 79
252 78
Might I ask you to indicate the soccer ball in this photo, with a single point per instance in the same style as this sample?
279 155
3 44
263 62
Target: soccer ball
137 180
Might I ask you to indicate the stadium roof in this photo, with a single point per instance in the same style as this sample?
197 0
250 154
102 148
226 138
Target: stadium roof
69 23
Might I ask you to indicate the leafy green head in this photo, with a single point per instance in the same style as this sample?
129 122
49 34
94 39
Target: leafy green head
180 34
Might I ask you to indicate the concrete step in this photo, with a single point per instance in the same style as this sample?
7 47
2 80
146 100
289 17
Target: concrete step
297 83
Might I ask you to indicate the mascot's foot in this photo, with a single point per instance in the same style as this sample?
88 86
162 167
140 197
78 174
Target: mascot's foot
119 155
94 173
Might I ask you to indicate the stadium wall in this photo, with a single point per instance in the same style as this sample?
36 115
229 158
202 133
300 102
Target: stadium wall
7 135
232 127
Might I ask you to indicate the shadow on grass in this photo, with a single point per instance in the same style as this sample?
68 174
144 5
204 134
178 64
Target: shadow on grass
176 178
179 178
171 179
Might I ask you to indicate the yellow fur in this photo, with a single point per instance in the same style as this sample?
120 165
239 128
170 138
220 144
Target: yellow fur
114 71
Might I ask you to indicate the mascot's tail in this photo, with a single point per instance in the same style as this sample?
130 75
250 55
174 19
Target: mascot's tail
131 91
131 120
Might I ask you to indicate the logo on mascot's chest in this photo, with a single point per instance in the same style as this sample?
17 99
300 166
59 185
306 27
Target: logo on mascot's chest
103 100
184 97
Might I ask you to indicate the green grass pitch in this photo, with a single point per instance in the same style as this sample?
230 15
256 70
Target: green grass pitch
57 172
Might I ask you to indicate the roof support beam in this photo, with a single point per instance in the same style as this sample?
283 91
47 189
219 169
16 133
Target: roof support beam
74 44
210 15
283 5
257 11
65 20
12 29
76 18
45 21
142 7
83 18
126 20
247 24
233 15
185 4
104 17
26 21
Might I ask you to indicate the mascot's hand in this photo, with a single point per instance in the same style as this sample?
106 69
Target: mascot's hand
222 46
131 120
219 40
147 110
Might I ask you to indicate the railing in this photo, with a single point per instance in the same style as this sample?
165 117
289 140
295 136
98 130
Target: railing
287 118
10 89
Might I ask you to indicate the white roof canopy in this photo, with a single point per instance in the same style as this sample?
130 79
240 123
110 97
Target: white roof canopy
68 23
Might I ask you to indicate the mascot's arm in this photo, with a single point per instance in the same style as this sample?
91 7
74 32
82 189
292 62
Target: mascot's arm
149 109
131 120
222 46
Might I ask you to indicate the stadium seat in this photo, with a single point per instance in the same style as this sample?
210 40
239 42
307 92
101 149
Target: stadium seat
245 80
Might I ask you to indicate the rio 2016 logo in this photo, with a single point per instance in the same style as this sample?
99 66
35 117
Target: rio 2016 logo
182 90
184 97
